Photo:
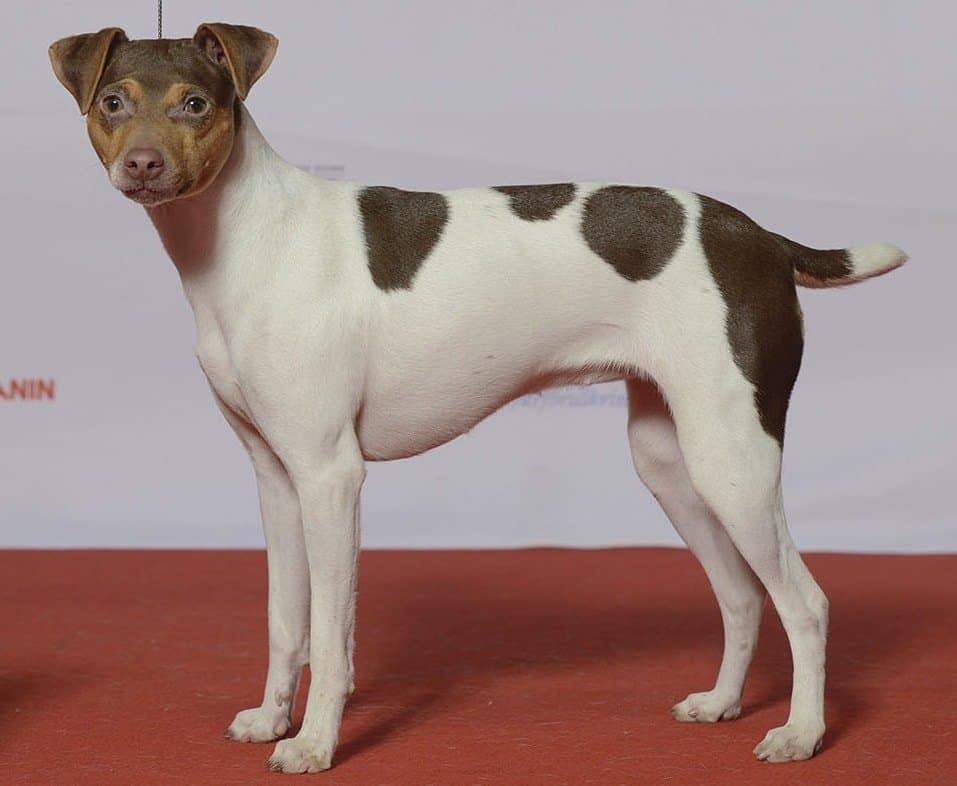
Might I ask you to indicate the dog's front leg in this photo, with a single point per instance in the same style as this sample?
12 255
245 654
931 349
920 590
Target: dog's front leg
288 589
328 481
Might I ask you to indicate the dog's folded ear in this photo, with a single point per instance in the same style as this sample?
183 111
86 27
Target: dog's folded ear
245 51
78 62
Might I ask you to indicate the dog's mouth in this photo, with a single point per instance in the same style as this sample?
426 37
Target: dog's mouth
146 194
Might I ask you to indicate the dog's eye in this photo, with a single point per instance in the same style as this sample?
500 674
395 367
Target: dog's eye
112 104
195 105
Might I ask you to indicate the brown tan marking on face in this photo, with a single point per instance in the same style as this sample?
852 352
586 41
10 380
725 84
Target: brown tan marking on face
204 147
162 113
167 97
110 140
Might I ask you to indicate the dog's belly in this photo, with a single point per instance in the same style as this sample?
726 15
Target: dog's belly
499 309
408 428
402 422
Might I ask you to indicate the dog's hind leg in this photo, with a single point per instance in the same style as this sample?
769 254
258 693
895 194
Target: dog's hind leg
659 463
735 465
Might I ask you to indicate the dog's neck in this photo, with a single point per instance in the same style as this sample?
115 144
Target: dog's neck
205 234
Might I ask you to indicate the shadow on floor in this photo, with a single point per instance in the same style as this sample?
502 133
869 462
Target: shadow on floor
442 635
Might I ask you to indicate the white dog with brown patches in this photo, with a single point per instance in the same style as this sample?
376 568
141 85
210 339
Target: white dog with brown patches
338 323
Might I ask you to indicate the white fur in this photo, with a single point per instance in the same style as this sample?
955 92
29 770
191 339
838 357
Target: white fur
875 259
317 369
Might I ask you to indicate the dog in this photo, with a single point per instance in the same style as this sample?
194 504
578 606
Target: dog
339 323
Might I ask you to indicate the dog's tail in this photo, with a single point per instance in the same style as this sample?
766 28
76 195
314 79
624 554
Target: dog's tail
841 266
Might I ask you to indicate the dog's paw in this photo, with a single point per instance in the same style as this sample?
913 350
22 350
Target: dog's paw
258 725
789 743
300 754
706 707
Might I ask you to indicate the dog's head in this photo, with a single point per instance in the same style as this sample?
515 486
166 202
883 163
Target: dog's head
161 114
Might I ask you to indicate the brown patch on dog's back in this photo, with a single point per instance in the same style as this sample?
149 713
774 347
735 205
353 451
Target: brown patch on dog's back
755 275
538 202
401 229
635 229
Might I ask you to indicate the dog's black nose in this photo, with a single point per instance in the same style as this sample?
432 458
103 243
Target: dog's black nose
143 163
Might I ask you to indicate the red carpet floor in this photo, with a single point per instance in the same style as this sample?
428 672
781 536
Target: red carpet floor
528 667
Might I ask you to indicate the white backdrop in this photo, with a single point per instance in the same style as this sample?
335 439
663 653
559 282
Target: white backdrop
831 122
